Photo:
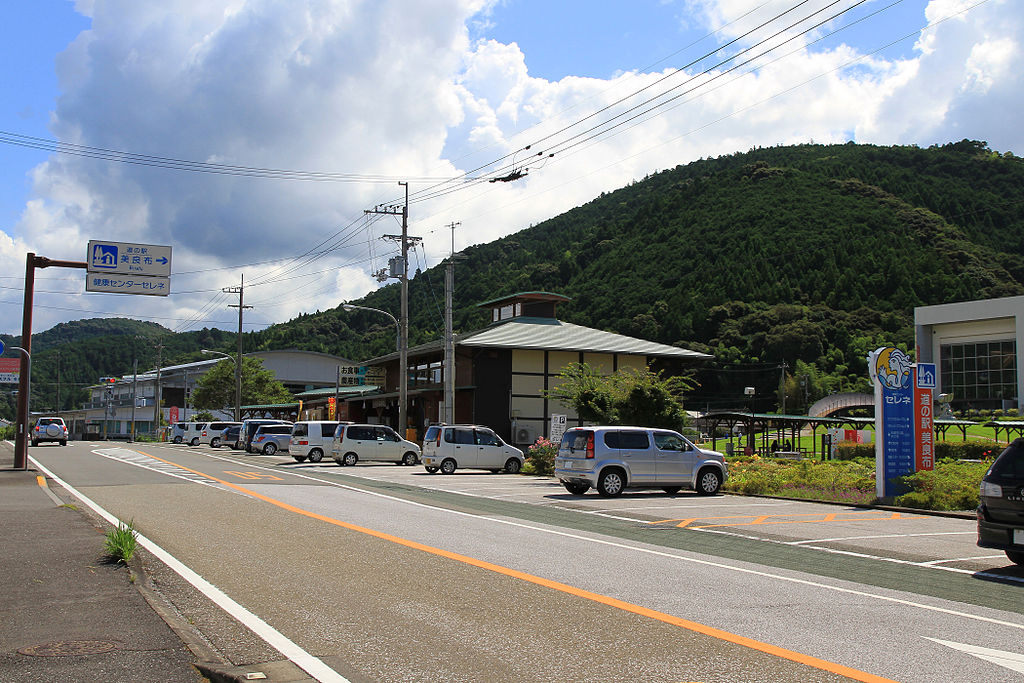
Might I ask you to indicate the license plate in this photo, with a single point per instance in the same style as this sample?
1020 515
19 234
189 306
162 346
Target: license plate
1018 536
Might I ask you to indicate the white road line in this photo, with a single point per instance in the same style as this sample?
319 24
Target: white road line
961 559
1007 660
682 558
305 661
857 538
147 463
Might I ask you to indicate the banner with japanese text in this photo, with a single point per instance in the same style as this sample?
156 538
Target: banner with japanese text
892 373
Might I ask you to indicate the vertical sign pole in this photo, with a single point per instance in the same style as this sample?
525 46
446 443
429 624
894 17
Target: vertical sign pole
24 381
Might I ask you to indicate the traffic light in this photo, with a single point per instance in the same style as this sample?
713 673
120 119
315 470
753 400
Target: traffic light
107 380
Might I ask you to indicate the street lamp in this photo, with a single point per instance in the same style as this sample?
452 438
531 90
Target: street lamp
238 379
403 362
749 392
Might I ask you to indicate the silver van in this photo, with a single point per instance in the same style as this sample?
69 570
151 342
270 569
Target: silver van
355 442
311 439
450 447
611 459
248 430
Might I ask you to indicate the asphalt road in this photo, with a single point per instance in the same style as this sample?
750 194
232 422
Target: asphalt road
388 573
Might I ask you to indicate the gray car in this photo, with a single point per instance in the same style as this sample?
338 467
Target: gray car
612 459
270 439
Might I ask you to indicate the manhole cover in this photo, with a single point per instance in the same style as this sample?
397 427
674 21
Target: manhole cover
69 648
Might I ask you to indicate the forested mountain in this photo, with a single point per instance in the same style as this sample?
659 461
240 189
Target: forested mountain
808 256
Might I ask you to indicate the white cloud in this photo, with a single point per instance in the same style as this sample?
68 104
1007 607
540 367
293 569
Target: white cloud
399 89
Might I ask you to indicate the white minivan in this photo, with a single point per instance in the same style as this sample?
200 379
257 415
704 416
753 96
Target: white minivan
188 432
311 439
355 442
451 447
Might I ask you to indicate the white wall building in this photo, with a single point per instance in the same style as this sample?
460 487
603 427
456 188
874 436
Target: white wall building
976 347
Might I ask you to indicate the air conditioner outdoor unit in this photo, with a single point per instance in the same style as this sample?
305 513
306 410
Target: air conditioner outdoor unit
526 435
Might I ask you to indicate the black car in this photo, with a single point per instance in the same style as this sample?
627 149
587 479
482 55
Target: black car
229 437
1001 513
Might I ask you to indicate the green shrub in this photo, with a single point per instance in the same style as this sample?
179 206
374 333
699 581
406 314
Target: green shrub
121 542
540 458
952 485
851 451
966 450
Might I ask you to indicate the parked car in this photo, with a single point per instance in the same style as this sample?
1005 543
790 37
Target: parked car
612 459
211 434
311 440
50 429
355 442
447 448
270 439
229 437
1001 513
187 432
249 428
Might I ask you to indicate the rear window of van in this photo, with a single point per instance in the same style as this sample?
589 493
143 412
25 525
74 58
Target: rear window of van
629 440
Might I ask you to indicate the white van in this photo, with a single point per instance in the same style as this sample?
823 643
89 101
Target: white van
311 439
450 447
210 435
188 432
355 442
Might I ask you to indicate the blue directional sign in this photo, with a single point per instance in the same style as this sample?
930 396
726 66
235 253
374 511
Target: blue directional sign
926 376
127 258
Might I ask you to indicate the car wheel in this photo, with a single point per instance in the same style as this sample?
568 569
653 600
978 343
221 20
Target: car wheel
575 488
410 458
316 455
215 442
671 490
341 463
194 441
448 466
177 439
512 466
709 481
299 458
1016 556
63 443
431 470
611 483
270 449
350 459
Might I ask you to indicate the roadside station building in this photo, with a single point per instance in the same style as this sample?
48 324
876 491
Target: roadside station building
976 347
502 370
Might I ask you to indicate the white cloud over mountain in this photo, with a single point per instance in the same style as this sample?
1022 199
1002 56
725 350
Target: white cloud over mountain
404 90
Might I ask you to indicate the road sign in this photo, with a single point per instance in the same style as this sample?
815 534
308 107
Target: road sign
10 370
127 258
926 376
127 284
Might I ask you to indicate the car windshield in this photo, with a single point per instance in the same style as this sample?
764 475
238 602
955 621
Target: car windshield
1010 463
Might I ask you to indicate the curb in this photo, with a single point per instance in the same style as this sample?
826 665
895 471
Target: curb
865 506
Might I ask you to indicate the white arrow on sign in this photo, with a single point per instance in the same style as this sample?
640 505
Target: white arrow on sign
1007 660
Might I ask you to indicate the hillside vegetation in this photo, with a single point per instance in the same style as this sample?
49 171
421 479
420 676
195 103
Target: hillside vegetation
809 255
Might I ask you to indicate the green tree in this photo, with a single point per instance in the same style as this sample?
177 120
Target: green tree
628 397
216 389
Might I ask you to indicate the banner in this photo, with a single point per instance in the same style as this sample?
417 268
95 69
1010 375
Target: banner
892 373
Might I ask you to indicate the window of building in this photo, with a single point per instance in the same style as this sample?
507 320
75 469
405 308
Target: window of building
980 372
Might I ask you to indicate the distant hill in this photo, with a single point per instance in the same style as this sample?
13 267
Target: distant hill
808 256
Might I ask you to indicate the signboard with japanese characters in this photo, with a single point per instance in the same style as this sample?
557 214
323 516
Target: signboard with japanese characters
128 268
10 370
924 425
360 375
892 373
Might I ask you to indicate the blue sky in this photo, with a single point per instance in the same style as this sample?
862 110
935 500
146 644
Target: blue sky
389 90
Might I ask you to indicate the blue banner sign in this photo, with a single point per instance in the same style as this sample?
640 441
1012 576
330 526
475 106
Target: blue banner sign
892 373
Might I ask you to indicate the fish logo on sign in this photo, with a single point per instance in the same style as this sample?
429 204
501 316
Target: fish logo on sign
926 376
104 256
892 368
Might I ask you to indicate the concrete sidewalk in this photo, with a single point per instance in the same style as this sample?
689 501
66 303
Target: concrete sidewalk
68 614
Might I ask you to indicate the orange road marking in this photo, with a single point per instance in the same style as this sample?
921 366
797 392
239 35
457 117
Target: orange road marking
872 515
249 475
768 648
41 480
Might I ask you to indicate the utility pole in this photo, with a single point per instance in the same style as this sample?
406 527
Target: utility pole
135 393
238 363
449 335
58 382
403 276
158 411
782 388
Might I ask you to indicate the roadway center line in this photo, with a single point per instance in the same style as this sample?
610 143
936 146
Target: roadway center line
719 634
676 556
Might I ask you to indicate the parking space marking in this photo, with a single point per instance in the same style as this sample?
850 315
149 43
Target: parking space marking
252 475
961 559
866 538
765 520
